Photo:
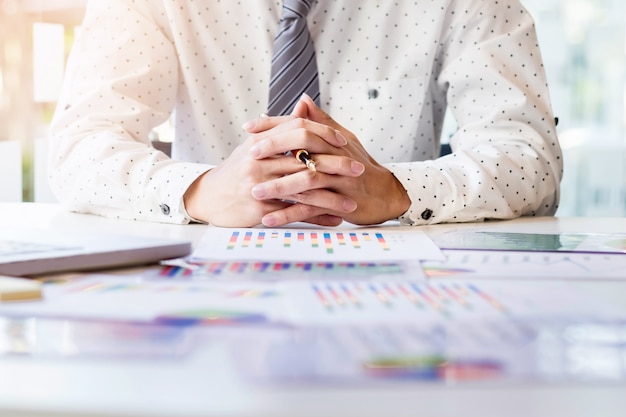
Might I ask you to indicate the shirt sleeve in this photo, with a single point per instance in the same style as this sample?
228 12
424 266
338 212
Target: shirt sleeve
121 82
506 159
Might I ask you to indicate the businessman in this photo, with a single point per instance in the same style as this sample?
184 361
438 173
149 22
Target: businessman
378 79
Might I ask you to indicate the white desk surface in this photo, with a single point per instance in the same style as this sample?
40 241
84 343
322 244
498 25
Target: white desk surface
206 385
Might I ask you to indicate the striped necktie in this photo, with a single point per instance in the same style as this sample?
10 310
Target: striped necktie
294 70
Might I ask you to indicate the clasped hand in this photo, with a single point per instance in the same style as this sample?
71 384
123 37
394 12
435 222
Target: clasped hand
260 183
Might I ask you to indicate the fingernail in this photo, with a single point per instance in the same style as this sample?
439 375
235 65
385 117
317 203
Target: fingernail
248 125
269 220
341 138
349 205
357 167
258 191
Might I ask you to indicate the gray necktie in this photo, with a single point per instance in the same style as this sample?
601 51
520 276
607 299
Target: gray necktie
294 70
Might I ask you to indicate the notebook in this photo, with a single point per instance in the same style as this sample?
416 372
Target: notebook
30 252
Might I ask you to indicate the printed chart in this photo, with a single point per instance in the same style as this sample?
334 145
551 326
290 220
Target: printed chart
509 265
308 245
126 299
449 301
508 241
474 352
274 271
86 338
314 302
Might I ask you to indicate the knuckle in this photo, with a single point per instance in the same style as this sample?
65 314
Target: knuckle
303 197
311 179
307 182
298 123
275 188
306 211
253 139
269 143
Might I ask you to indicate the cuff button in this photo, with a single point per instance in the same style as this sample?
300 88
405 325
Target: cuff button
165 209
427 214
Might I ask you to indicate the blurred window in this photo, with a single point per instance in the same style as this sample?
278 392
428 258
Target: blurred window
584 50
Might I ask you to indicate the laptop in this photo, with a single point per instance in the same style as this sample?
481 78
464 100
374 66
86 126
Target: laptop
32 252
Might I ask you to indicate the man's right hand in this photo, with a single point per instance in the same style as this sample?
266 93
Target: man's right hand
223 196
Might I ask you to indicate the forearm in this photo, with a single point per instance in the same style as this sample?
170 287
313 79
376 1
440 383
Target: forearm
499 180
100 159
507 160
102 174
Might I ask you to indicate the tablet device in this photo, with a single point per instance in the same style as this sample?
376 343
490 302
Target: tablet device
30 252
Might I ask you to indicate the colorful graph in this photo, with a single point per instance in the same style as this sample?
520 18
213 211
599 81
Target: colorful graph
103 287
204 317
280 270
162 302
311 239
395 296
446 302
315 245
432 368
432 271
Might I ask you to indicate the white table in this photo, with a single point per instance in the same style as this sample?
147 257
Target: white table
206 384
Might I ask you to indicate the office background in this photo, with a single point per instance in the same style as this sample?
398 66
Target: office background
584 49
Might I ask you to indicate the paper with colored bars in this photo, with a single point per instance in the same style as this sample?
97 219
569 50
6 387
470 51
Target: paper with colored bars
326 303
482 353
300 303
316 245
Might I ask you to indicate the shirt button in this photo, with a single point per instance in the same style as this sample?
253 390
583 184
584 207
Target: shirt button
372 94
165 209
427 214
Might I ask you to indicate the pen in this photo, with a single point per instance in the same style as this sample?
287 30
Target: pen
301 154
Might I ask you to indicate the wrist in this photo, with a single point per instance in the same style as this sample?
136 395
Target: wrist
401 202
192 201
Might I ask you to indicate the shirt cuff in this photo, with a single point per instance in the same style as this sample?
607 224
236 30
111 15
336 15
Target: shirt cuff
172 182
432 197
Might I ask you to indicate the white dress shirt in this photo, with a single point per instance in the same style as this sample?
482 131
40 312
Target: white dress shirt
388 69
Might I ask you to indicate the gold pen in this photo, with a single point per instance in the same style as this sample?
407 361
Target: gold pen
303 155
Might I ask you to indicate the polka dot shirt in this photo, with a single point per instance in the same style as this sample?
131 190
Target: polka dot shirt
388 72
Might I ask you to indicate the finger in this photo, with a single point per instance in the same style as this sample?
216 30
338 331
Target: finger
307 106
304 194
281 186
264 122
300 213
325 220
301 109
292 176
338 165
284 166
296 134
332 201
